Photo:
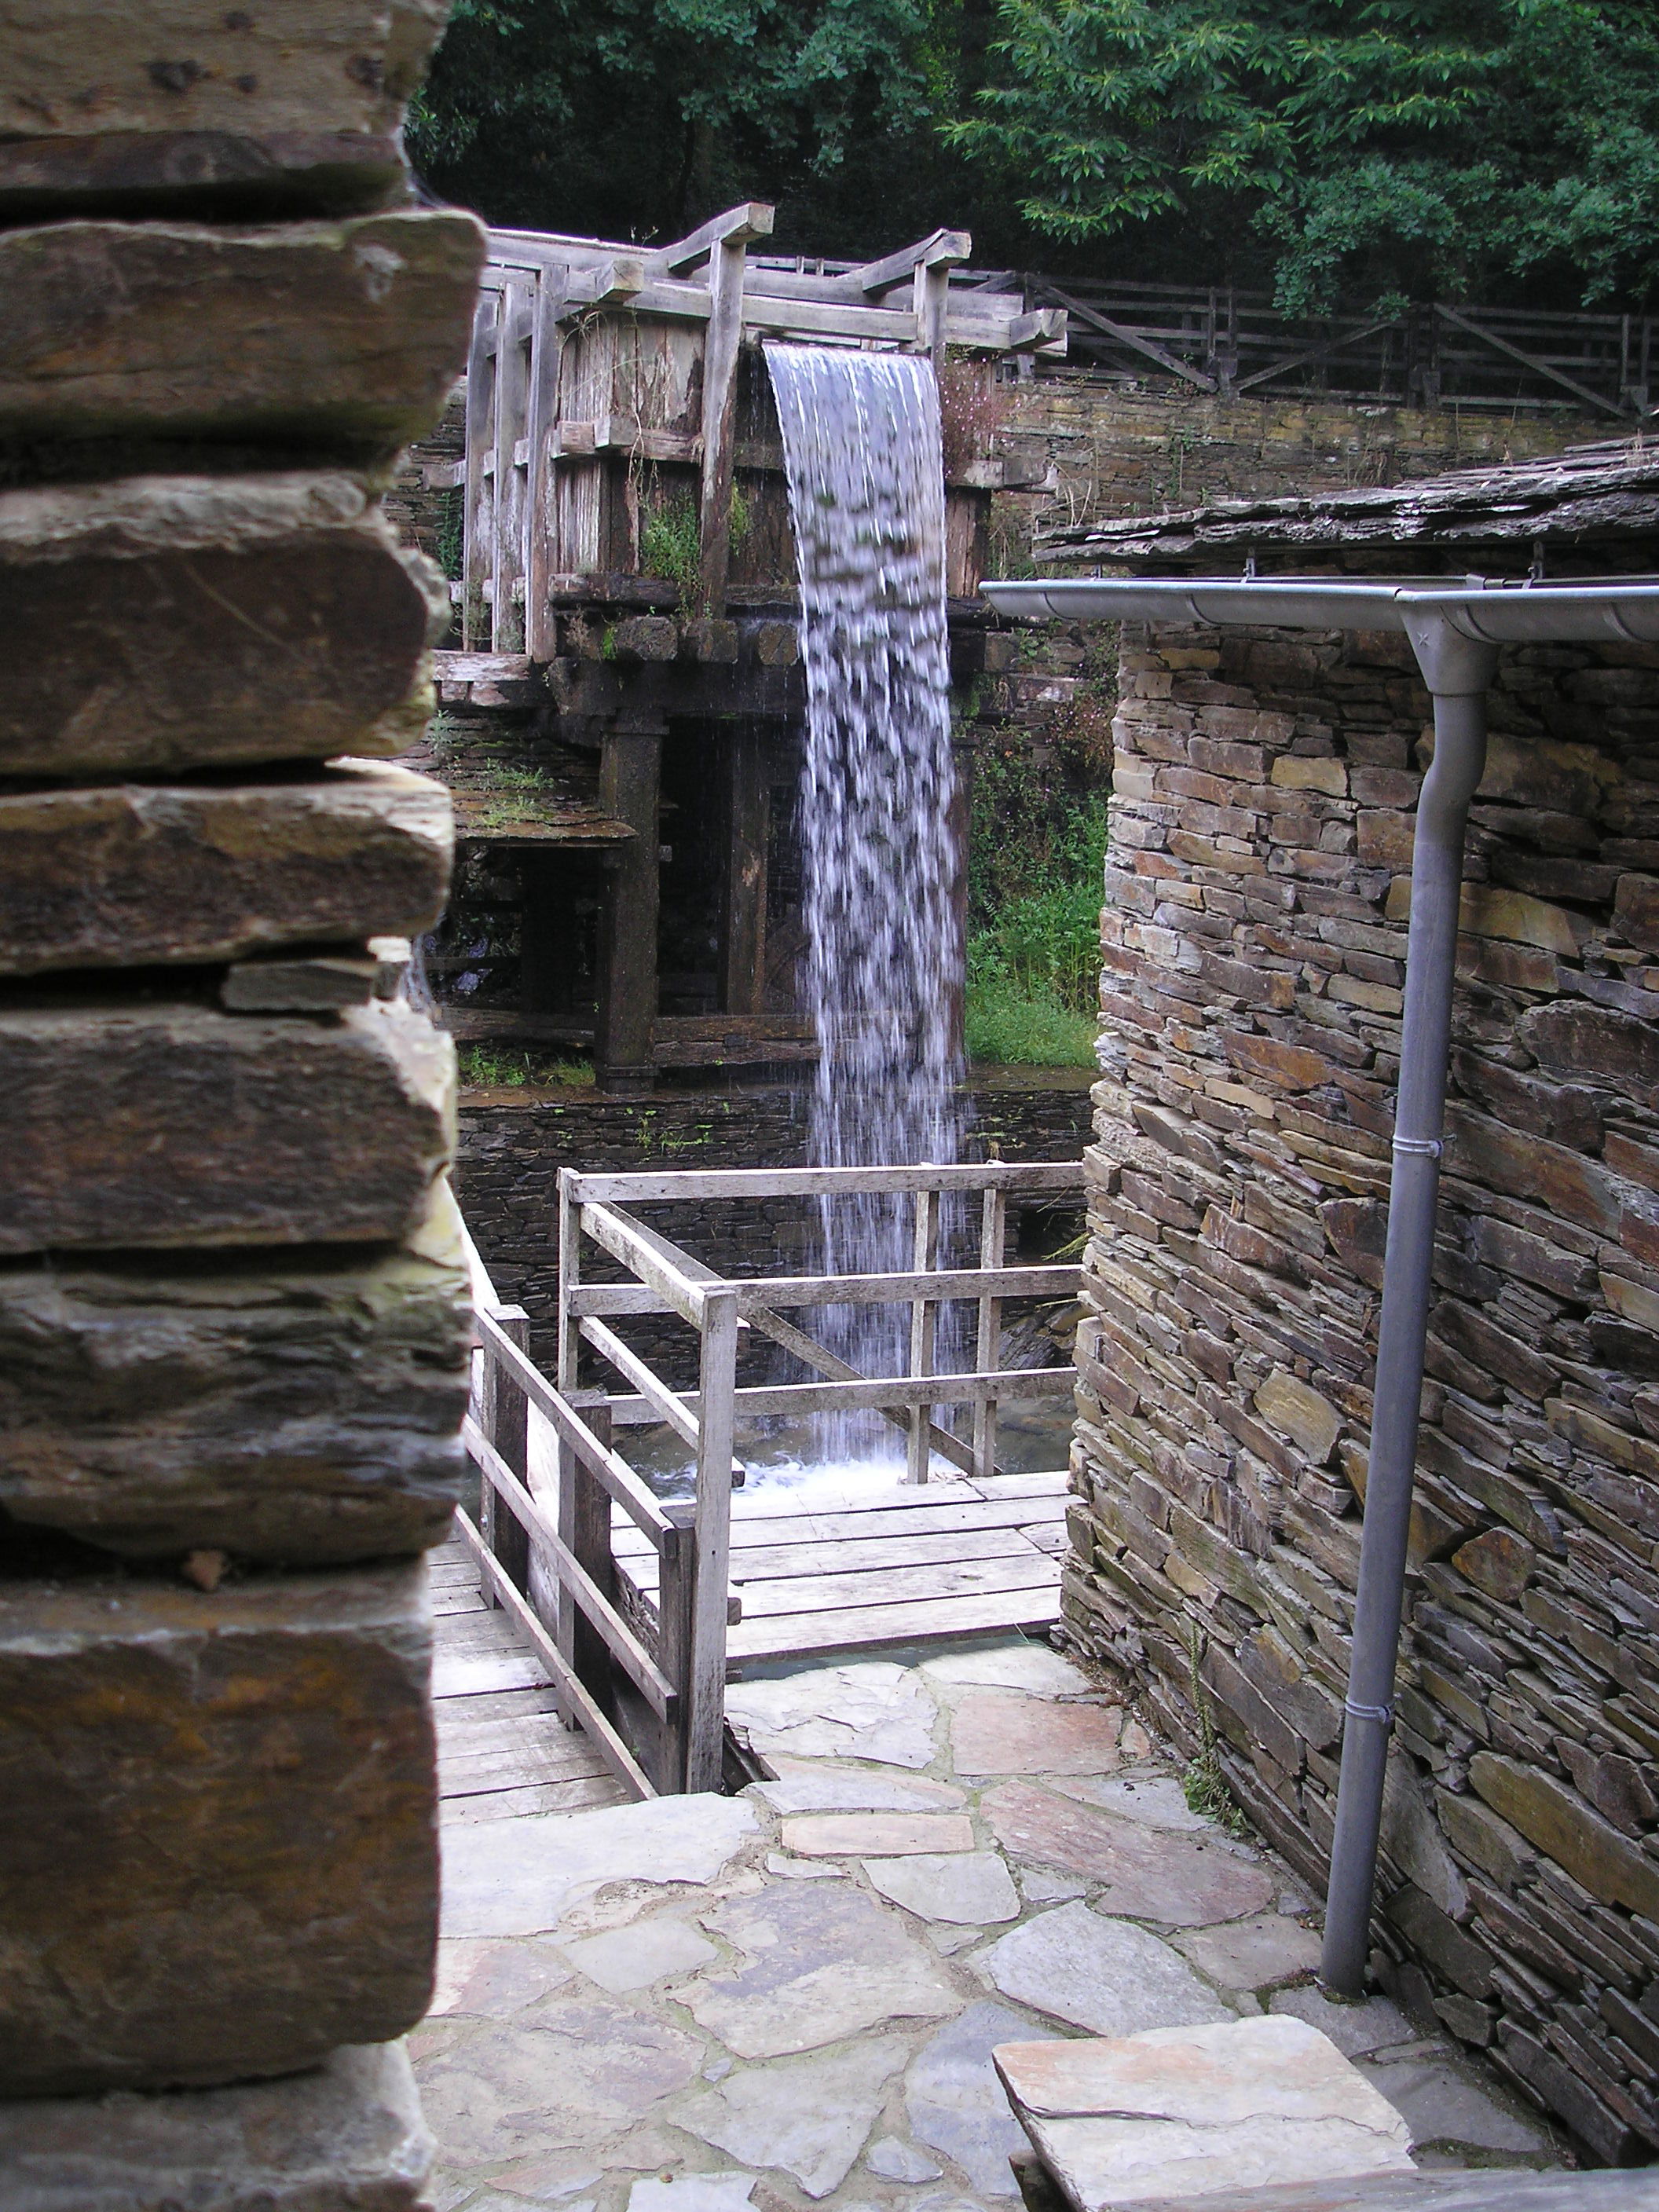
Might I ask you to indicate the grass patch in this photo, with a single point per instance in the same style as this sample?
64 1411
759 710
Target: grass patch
1003 1025
498 1068
671 541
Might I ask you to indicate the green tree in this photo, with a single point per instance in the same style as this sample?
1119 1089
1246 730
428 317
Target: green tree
1382 147
637 118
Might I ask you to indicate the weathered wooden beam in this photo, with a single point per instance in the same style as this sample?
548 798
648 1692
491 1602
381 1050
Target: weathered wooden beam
1312 354
739 226
290 1853
243 112
1489 338
866 1397
614 282
157 595
630 791
940 249
349 331
127 874
743 900
705 1718
297 1407
514 332
478 506
719 409
633 1186
137 1123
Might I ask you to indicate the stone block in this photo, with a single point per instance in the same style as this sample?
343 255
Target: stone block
242 111
199 621
343 2138
352 332
171 1125
217 1848
1179 2113
304 1411
133 874
1561 1825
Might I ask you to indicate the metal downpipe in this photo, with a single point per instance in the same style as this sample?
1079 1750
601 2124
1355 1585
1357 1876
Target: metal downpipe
1457 670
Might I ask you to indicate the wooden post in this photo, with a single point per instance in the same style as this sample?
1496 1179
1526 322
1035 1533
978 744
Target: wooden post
705 1719
504 1417
675 1594
993 1238
513 336
546 352
478 510
584 1523
719 401
570 1275
630 788
924 1326
743 919
931 291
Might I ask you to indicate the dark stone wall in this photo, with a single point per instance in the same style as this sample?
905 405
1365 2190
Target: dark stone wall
513 1143
1254 942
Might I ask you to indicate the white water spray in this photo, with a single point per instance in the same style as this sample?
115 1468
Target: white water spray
884 961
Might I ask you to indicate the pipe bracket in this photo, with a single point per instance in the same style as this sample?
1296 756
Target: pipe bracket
1381 1714
1422 1148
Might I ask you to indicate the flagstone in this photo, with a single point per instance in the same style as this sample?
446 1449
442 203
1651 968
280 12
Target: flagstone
895 2159
1156 1800
518 1876
1252 1954
1020 1666
876 1835
494 1978
976 1888
1355 2029
955 2101
692 2192
1174 2114
633 1956
870 1709
1000 1732
548 2180
821 1962
816 1786
808 2117
1102 1974
1439 2104
575 2074
1184 1881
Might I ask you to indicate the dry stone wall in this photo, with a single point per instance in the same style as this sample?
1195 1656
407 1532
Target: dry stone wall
1254 942
234 1306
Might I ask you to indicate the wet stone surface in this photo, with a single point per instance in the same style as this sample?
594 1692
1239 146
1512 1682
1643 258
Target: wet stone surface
789 2000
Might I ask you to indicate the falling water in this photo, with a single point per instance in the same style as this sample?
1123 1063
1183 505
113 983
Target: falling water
884 958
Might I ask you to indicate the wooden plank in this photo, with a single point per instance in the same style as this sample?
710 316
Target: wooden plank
477 508
575 1579
739 226
467 1674
584 1520
919 1585
993 1240
508 1766
469 1633
924 1332
461 1736
1125 336
575 1797
1529 360
813 1355
705 1716
618 1756
513 336
940 249
540 621
504 1413
519 1707
633 1187
622 1240
1041 1482
656 1392
865 1627
720 396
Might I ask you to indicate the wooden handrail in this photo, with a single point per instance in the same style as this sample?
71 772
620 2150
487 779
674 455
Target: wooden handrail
636 1188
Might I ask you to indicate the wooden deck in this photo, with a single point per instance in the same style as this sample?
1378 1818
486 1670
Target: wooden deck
501 1746
908 1564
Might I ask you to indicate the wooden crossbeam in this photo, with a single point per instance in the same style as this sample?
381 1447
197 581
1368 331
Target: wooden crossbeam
1306 359
1125 336
940 249
739 226
1529 360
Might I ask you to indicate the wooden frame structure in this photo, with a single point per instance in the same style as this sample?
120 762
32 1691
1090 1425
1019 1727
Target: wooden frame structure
1233 343
612 1638
590 359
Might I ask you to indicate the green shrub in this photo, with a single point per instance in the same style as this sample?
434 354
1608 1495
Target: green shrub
496 1067
1005 1027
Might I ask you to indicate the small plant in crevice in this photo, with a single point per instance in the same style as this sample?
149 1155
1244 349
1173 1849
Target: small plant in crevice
1204 1785
670 540
452 533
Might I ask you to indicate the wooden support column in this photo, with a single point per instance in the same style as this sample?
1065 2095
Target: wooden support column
479 495
630 789
720 409
546 351
584 1525
504 1417
513 335
743 918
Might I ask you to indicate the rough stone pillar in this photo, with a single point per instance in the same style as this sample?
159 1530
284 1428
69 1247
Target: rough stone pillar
234 1314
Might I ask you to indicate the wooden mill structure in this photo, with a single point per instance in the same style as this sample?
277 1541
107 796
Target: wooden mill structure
624 698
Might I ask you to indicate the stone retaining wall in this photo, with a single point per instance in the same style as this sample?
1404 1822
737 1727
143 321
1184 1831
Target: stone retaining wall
1254 938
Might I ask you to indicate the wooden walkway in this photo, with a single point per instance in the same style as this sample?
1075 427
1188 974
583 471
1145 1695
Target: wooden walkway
908 1565
501 1746
902 1566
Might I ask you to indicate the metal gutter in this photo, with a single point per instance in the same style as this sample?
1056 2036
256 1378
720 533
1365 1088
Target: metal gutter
1455 630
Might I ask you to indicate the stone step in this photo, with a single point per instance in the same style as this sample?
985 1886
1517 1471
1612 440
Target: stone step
1490 2190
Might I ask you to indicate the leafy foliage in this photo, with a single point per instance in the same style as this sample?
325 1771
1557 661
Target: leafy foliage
497 1067
1388 147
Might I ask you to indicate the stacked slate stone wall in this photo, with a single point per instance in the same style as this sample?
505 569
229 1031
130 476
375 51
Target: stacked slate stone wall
234 1312
1255 935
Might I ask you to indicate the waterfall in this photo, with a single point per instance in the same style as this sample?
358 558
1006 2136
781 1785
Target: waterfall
884 958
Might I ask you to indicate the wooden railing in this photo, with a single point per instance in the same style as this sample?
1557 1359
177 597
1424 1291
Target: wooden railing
642 1666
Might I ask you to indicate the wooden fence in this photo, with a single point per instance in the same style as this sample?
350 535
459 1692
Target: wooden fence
628 1661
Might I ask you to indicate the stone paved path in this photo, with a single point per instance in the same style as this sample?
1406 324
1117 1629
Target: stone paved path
788 1998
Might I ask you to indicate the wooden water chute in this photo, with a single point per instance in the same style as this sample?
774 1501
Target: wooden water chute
628 561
